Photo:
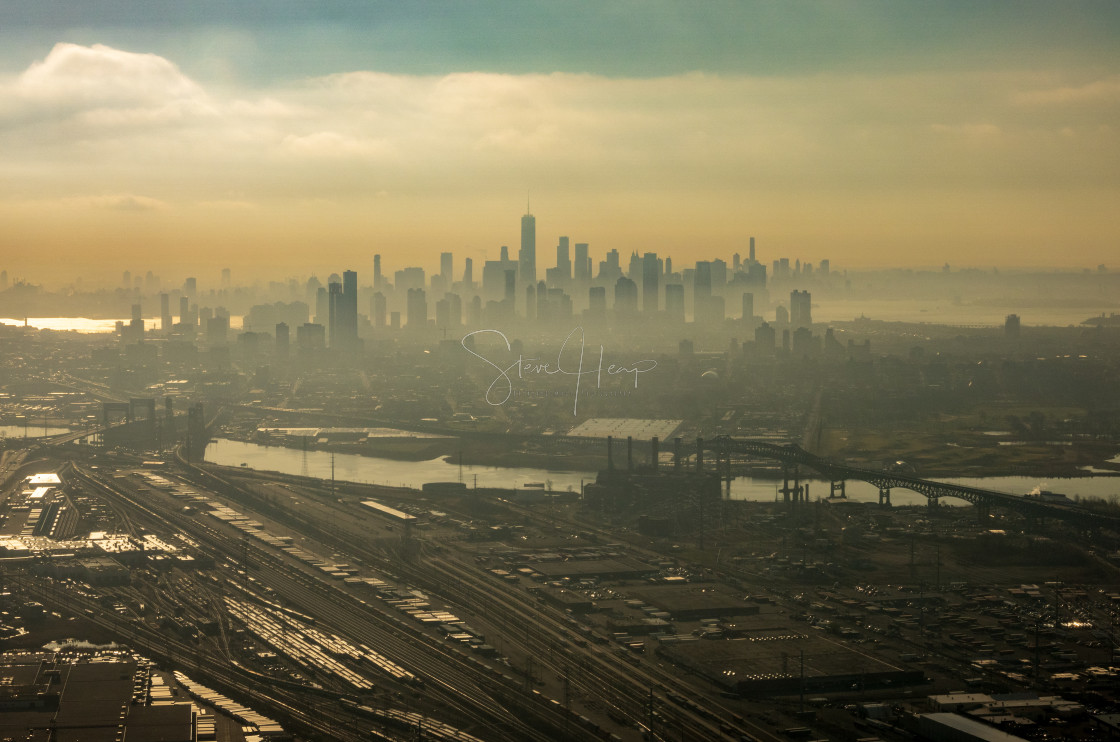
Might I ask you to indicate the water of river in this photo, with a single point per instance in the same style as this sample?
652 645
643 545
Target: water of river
31 431
371 470
89 326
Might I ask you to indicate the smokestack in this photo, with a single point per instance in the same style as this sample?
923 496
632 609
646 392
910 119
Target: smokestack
699 455
653 453
610 458
630 453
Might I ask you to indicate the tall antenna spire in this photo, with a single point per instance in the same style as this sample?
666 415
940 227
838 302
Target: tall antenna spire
527 209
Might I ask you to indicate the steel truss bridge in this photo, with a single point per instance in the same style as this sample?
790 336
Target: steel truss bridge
793 457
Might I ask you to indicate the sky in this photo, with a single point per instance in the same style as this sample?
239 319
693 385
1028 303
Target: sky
283 138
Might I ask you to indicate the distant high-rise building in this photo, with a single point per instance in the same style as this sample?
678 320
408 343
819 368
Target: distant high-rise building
752 251
719 276
283 339
446 260
542 302
379 309
3 280
610 269
310 336
227 280
184 311
455 310
563 260
322 306
765 338
634 270
674 302
1012 326
126 279
800 309
494 276
409 278
625 298
651 280
468 274
334 315
165 312
190 287
217 330
377 277
527 257
825 267
582 266
417 309
348 318
803 344
597 302
701 291
748 306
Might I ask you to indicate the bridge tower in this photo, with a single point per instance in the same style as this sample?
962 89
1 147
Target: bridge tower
885 497
839 490
792 494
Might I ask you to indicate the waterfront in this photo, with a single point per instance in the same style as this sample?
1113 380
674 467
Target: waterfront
413 474
30 431
88 326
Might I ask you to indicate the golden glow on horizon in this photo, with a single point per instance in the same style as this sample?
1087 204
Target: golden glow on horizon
119 160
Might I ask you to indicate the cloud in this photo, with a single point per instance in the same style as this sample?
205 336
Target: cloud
95 120
102 76
127 202
1106 91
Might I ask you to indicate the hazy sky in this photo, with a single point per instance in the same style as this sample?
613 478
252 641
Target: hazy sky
301 137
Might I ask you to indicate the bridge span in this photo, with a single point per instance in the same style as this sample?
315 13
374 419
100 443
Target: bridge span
792 457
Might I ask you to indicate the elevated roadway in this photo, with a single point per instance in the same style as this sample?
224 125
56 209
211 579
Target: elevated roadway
792 456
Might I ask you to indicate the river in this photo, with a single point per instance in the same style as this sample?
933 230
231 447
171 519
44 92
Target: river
30 431
414 474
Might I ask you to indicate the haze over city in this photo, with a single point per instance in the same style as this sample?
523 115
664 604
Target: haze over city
559 372
282 138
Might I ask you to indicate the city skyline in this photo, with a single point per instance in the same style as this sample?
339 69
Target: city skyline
282 139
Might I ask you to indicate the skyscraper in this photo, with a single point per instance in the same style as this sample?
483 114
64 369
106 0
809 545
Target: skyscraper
563 260
651 275
674 301
348 311
800 309
527 257
625 298
748 305
701 291
582 268
446 260
283 340
334 315
417 306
